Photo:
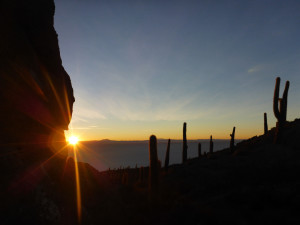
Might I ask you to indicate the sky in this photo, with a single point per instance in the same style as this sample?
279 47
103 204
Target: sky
145 67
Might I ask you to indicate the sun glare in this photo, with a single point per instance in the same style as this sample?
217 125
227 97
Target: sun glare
73 140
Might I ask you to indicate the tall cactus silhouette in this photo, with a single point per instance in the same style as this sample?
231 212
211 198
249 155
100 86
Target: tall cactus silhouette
167 156
184 146
211 145
232 140
199 150
153 170
281 111
265 123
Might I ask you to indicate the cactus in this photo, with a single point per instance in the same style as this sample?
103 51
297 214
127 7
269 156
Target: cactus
199 150
125 178
281 111
184 147
153 170
167 156
211 145
265 124
232 140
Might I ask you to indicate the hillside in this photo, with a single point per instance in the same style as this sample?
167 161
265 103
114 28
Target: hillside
258 184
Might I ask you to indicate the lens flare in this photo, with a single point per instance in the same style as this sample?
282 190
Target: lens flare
73 140
78 192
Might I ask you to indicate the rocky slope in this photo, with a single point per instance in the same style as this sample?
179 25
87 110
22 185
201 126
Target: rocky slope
257 184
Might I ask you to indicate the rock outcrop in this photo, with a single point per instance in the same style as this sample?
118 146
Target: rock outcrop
36 94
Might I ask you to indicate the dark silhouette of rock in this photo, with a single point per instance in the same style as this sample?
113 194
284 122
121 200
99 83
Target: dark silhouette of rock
36 92
36 98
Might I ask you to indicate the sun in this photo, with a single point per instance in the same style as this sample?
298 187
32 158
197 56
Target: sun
73 140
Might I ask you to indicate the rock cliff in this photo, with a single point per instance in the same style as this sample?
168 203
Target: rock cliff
36 94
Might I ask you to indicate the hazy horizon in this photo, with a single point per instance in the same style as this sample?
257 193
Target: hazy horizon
112 154
158 139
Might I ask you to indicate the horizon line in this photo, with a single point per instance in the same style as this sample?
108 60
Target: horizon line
161 139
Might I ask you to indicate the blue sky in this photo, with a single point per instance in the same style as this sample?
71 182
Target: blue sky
145 67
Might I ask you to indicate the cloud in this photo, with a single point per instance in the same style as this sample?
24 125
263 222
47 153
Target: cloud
256 68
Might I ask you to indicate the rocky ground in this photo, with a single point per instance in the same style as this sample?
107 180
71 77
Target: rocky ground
258 184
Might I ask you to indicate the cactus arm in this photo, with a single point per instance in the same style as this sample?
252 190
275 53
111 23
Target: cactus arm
275 99
283 106
286 89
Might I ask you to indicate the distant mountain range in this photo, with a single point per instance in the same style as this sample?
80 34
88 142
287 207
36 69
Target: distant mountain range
160 140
